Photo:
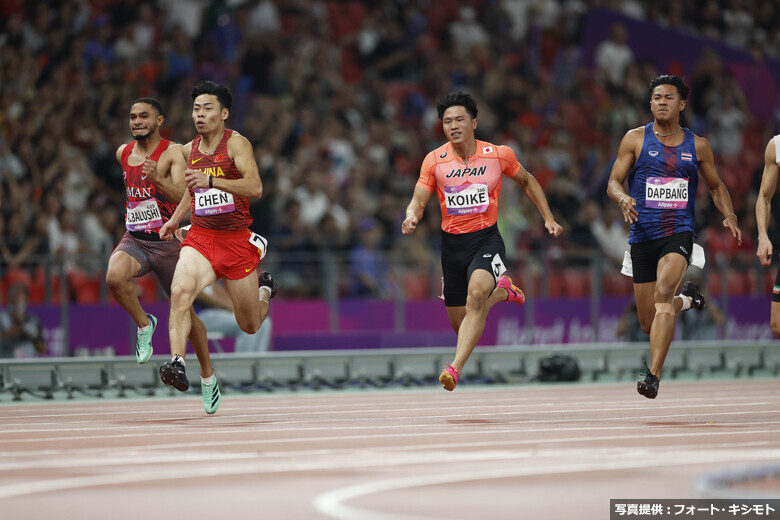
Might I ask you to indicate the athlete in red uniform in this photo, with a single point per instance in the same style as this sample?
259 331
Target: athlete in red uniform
222 176
466 175
153 170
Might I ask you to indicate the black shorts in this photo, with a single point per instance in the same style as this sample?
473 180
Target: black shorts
462 254
646 255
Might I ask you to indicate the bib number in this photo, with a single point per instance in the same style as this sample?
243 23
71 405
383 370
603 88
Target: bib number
143 215
466 199
213 202
666 193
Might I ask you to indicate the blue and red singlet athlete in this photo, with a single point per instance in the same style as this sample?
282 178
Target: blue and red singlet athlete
662 162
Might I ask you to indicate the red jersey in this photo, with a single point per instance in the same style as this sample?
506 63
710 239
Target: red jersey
468 195
213 208
147 209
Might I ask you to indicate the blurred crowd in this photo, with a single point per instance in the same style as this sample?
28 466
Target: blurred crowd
338 100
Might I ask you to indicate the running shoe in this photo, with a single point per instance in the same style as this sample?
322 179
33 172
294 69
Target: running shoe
143 344
210 395
172 373
266 280
697 299
648 387
515 295
449 377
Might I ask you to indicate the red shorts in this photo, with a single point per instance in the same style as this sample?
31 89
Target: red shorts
230 252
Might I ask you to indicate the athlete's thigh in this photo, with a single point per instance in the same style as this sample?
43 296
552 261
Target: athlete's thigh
193 272
456 316
244 294
671 269
123 265
481 283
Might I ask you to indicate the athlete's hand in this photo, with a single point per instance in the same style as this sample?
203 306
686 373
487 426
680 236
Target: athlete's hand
731 223
167 230
409 225
553 228
627 206
196 179
150 169
764 252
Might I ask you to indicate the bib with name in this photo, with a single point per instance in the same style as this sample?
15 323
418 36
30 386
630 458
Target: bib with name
666 193
213 202
466 199
143 215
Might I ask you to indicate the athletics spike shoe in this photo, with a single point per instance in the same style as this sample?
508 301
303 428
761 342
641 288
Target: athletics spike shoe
266 280
172 373
648 387
515 295
143 345
210 396
449 377
697 300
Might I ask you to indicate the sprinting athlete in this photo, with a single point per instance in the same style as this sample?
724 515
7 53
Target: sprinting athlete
763 211
466 175
153 171
221 177
662 162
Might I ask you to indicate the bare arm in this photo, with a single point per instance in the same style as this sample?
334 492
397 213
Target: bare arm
626 158
168 174
535 194
720 195
250 185
764 202
414 211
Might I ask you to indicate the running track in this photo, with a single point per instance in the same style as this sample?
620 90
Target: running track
499 452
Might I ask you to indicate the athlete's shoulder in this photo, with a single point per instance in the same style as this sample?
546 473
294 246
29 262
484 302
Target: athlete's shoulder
485 149
236 139
122 148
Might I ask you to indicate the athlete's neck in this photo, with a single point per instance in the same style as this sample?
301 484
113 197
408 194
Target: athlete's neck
466 149
210 140
666 128
149 145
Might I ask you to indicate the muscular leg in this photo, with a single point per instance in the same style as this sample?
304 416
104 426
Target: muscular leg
193 273
671 269
479 301
249 307
200 344
644 293
119 277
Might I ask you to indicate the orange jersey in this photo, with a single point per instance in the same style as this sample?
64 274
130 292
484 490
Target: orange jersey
468 195
213 208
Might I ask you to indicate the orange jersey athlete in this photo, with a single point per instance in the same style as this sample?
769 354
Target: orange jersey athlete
466 175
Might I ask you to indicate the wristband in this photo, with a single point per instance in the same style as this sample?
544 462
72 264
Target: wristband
211 181
735 215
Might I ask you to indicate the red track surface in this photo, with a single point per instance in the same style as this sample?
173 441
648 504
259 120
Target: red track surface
534 452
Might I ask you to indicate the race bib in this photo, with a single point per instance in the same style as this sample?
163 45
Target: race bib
143 215
666 193
213 202
466 199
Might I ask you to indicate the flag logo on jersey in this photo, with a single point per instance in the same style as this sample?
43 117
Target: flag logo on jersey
487 149
686 156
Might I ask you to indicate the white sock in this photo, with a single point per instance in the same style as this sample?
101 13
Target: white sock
178 358
687 301
265 288
207 380
144 329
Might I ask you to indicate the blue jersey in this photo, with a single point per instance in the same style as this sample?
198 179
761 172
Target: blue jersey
663 182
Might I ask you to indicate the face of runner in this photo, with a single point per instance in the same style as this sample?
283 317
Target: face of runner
144 121
458 125
207 114
666 103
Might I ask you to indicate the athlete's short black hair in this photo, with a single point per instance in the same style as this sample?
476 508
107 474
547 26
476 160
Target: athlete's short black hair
668 79
223 94
457 99
150 101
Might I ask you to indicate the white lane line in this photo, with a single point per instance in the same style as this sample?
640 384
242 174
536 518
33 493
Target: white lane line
332 503
222 419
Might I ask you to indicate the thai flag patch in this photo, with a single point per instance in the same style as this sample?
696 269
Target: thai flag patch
686 156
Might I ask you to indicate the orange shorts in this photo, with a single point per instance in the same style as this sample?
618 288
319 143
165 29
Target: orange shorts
230 252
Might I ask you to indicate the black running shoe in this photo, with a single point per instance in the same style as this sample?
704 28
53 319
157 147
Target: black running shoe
266 280
690 289
648 387
172 373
